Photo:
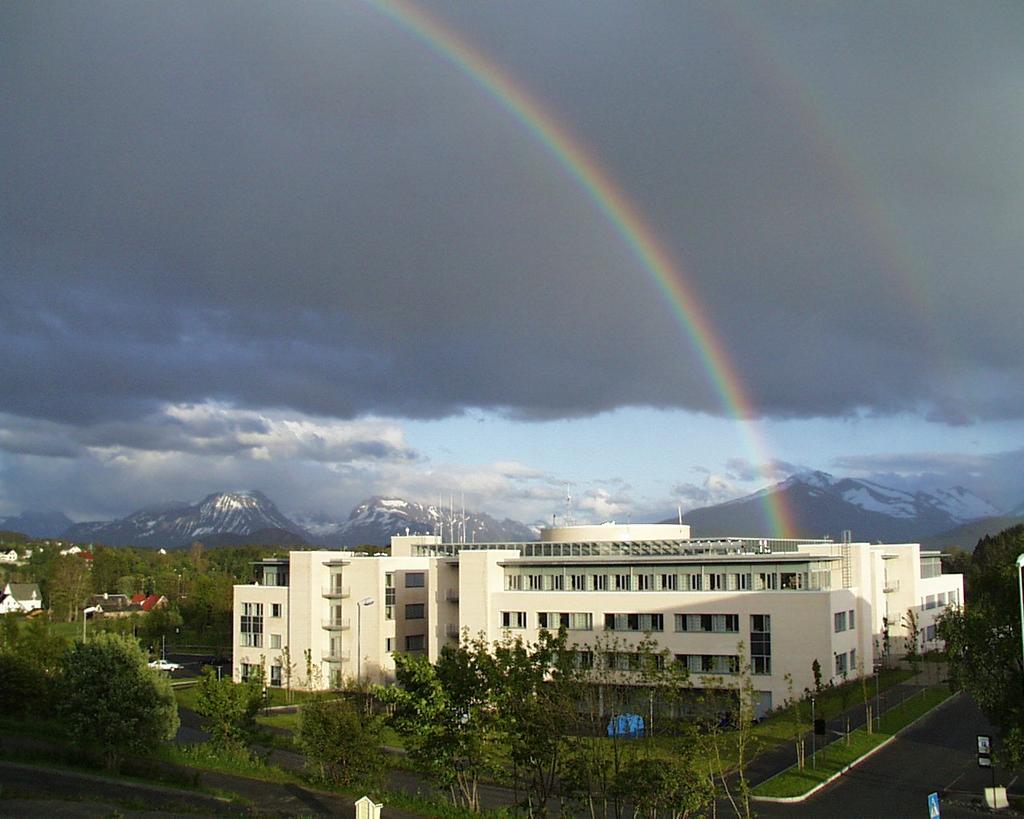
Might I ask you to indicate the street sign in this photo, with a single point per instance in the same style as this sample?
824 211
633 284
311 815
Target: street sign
984 751
933 806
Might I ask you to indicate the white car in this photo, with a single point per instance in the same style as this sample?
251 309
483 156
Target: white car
164 665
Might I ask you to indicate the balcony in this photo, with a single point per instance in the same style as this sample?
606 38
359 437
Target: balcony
336 656
452 595
337 624
336 592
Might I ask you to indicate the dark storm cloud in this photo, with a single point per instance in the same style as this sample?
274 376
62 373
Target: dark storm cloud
303 207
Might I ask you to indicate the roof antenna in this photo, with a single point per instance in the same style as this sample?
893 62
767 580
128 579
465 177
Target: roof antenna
568 506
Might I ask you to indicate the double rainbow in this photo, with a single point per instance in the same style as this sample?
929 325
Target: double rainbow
621 214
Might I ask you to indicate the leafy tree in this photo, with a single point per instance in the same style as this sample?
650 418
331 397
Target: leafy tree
229 708
677 787
111 702
912 624
342 747
983 640
816 672
69 585
445 711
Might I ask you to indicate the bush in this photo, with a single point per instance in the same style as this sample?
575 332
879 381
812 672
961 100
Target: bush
112 702
341 747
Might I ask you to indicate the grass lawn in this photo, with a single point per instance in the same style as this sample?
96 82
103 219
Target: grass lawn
835 757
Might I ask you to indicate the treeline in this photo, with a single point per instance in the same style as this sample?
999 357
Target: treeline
196 582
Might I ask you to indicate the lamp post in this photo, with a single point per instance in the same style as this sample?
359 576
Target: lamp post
85 616
814 737
1020 589
366 601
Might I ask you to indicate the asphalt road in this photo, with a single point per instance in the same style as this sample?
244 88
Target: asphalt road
936 755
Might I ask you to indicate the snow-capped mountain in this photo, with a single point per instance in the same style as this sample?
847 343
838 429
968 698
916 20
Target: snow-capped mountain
215 517
375 520
37 524
819 504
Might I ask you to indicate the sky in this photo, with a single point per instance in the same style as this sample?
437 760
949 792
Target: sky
343 249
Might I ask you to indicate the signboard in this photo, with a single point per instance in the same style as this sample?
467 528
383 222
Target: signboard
933 806
984 751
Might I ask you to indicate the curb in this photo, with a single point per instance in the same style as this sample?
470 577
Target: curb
788 800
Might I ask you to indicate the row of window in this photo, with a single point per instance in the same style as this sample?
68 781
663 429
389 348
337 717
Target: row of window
584 621
693 581
251 625
844 620
634 661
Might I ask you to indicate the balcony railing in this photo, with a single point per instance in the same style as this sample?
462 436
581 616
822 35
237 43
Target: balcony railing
338 656
336 592
337 624
452 595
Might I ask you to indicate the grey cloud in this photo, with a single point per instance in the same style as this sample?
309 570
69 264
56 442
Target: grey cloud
307 209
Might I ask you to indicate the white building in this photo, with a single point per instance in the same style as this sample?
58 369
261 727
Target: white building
20 598
779 604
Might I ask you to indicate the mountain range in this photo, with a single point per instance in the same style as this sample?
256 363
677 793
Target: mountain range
816 504
820 505
250 517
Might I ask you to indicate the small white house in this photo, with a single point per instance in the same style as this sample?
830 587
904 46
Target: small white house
9 557
20 597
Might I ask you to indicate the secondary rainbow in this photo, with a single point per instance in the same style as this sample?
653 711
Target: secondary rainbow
615 207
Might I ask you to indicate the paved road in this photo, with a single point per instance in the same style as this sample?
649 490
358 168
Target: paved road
937 754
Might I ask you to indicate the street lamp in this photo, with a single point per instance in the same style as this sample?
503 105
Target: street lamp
1020 589
85 614
366 601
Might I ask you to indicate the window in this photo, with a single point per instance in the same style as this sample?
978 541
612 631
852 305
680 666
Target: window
767 581
571 620
744 582
709 663
716 582
275 675
249 670
669 582
600 582
275 609
514 582
929 633
558 582
644 582
415 642
389 595
721 623
534 582
853 658
414 580
761 643
584 659
622 582
634 622
578 582
275 640
695 582
513 619
840 621
840 664
791 580
929 601
414 611
389 644
251 625
850 621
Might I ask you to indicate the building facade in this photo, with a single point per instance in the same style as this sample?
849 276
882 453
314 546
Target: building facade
714 606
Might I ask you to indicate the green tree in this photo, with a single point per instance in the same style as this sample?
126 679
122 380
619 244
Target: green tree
342 747
111 702
983 640
229 709
676 786
68 584
445 712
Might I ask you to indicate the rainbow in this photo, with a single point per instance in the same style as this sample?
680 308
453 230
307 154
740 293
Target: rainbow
620 213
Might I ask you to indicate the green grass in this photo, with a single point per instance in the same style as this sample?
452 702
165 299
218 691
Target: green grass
204 757
832 759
